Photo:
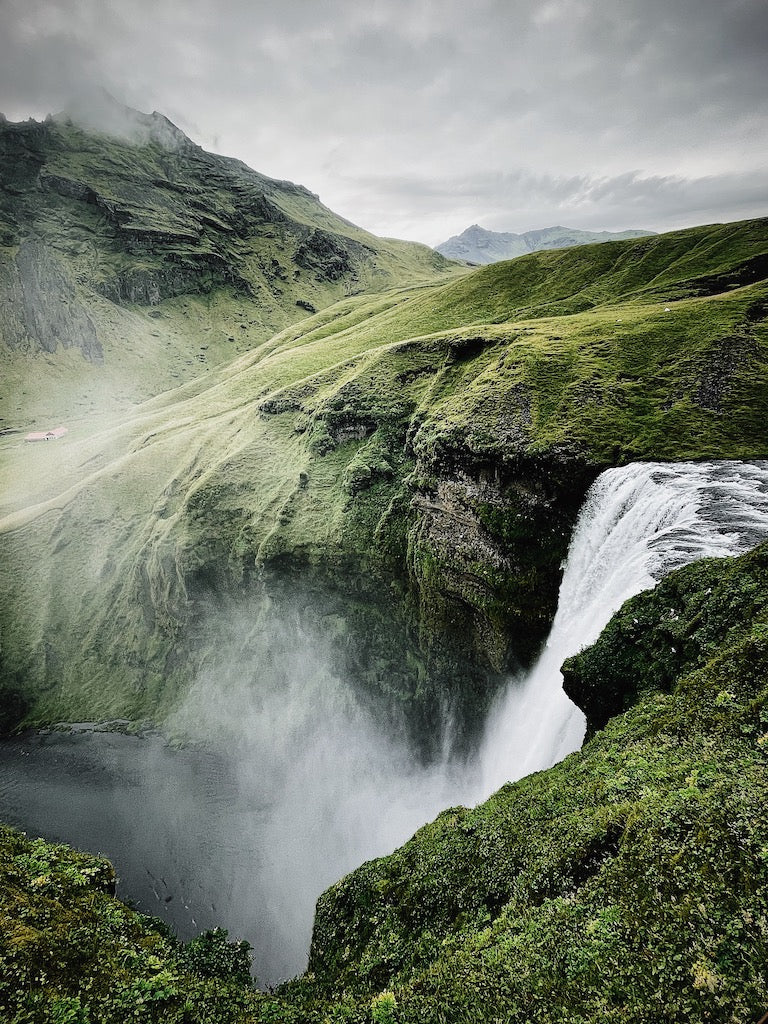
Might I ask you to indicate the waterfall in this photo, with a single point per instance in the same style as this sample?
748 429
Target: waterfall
304 783
638 523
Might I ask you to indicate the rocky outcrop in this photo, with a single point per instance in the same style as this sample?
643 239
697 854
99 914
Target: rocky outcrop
744 273
40 308
731 357
485 551
326 256
193 274
659 634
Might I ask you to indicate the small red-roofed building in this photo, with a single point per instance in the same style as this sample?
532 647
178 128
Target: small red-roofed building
48 435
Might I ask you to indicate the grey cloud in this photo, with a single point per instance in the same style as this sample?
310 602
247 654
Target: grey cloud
520 201
339 95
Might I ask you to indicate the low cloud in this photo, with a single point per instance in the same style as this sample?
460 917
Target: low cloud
520 201
637 99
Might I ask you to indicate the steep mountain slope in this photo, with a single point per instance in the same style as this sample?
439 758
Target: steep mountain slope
479 246
401 471
152 259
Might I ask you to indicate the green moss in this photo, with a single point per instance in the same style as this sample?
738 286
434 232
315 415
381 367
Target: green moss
70 953
681 624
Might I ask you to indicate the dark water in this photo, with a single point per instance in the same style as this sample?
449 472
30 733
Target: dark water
303 788
182 835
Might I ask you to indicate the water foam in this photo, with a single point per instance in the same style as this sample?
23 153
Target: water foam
638 523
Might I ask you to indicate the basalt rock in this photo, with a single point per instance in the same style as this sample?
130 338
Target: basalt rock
486 546
40 308
327 257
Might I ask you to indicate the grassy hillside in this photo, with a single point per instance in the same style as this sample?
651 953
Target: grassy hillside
404 467
628 882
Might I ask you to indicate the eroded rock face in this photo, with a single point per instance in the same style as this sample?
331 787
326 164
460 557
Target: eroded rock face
169 219
325 256
485 552
39 306
193 275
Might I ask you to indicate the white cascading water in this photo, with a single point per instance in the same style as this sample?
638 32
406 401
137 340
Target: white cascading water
637 524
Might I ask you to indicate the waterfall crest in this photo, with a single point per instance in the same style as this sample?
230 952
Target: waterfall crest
638 523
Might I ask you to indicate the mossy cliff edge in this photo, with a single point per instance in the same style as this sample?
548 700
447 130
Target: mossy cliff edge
404 469
628 882
71 953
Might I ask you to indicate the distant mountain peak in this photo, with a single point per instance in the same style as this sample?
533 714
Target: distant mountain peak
479 245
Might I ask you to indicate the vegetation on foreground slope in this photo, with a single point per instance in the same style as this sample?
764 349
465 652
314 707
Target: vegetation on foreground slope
404 469
630 882
70 953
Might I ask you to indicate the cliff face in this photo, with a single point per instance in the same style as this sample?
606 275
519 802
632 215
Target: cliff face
39 306
485 551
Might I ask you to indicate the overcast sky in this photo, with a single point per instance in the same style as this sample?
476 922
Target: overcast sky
417 118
